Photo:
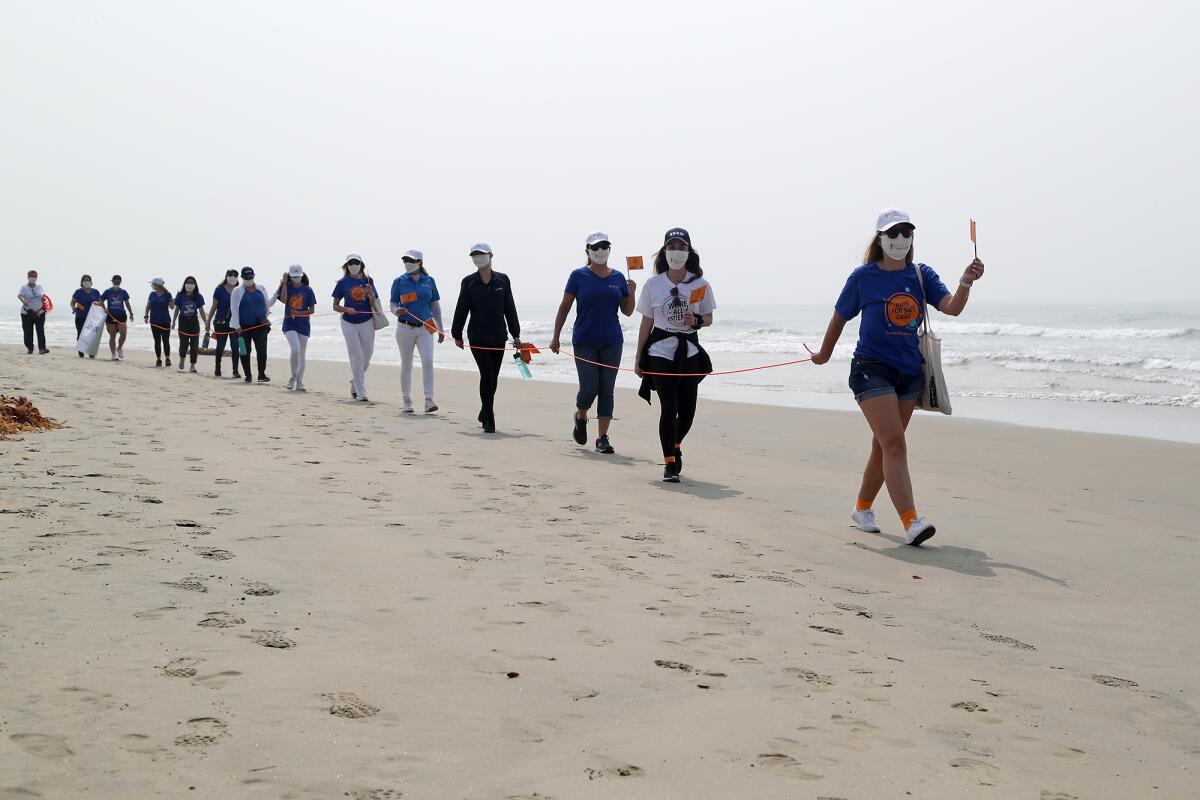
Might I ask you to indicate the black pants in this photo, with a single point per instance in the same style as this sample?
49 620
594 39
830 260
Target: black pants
162 340
79 325
223 332
258 338
31 323
189 337
676 400
489 363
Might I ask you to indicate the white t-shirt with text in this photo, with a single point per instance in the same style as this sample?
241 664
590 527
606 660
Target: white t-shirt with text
667 309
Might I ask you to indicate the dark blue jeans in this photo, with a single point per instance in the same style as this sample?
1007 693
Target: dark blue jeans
597 381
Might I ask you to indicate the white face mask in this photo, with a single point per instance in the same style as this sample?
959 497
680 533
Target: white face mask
354 268
33 281
297 281
189 287
411 267
231 280
86 284
248 283
599 257
481 260
677 259
896 248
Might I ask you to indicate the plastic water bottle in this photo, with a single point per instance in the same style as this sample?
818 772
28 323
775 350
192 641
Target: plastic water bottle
242 346
522 366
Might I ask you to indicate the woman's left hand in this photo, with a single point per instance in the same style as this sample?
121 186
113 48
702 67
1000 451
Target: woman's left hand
689 319
974 271
441 337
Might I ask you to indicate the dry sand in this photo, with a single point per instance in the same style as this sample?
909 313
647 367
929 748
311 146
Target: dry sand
214 590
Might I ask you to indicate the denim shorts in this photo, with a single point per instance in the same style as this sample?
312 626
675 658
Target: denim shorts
870 377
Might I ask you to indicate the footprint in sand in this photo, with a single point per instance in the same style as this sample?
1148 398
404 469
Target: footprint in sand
1008 640
181 668
674 665
823 629
783 764
225 481
375 794
810 676
42 745
145 499
1049 795
349 706
259 589
220 619
1119 683
968 705
206 731
141 744
213 553
276 639
191 583
208 495
612 768
116 550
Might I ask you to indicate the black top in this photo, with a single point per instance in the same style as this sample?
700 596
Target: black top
490 305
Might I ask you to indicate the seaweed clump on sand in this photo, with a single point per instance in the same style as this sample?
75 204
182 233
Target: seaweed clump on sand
20 415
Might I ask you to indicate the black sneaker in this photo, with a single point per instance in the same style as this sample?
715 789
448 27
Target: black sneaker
158 362
353 392
247 379
489 423
580 432
217 373
168 361
81 355
671 472
481 417
678 461
262 379
43 351
602 446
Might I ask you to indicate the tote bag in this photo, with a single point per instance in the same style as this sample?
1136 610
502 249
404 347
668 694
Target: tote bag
378 319
934 394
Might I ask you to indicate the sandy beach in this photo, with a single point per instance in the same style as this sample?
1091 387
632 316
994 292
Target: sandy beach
215 590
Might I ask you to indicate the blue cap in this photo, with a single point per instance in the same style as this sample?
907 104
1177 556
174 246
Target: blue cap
680 234
247 272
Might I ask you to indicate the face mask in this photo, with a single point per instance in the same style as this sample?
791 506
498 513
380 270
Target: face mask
599 257
677 259
354 268
86 284
297 281
248 282
231 280
896 248
33 281
481 260
411 267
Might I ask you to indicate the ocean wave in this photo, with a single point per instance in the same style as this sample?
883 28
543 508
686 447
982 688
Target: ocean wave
1191 400
1015 329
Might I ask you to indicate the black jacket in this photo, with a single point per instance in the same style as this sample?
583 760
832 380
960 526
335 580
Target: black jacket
490 305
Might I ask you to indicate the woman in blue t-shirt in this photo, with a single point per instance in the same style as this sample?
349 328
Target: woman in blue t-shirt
81 302
158 316
354 297
891 292
417 305
299 302
597 292
189 311
115 302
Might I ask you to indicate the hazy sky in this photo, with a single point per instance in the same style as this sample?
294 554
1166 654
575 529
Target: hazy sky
173 138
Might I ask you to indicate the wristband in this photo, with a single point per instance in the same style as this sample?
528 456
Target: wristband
698 324
965 284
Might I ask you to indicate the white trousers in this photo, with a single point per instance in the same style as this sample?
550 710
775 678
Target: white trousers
299 344
408 337
360 345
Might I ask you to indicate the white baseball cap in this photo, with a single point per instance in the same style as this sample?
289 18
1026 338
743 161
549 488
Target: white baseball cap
890 218
596 236
353 257
295 271
414 255
481 247
158 281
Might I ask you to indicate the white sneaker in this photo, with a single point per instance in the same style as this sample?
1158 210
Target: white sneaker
919 531
291 384
300 387
865 521
120 354
116 359
407 408
362 398
430 406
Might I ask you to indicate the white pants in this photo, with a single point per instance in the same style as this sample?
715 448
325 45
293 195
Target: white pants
299 344
408 336
360 345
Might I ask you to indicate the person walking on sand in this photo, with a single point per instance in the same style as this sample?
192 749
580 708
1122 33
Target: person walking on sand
675 304
485 297
81 303
32 298
891 292
354 297
158 316
597 292
250 306
189 311
417 305
299 302
219 316
115 301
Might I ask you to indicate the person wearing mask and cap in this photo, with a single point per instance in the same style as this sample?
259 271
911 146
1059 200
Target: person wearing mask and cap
158 315
249 305
116 303
485 296
886 373
81 302
299 302
33 312
675 304
417 305
189 311
221 312
597 292
354 297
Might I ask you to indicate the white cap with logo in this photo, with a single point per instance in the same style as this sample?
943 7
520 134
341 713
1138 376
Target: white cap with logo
295 271
890 218
158 281
596 236
414 255
481 247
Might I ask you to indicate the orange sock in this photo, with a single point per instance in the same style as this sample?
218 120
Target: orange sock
669 459
862 505
907 517
678 445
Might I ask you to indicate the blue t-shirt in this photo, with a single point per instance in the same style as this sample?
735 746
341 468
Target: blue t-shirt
160 311
597 301
403 289
221 297
85 297
252 310
189 305
299 298
355 293
890 303
114 300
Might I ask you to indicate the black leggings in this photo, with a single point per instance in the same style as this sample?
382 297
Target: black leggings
189 338
258 338
676 400
79 325
223 333
162 341
489 363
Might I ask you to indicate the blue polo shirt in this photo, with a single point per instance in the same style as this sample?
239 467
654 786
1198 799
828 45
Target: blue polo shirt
85 297
355 293
426 292
597 301
891 308
298 299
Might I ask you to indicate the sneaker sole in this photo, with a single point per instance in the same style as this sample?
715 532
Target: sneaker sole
923 536
579 434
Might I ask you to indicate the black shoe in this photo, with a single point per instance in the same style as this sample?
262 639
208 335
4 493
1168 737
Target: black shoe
602 446
671 472
353 392
91 356
236 374
262 379
158 362
489 423
44 351
580 432
81 355
217 374
678 461
29 353
247 379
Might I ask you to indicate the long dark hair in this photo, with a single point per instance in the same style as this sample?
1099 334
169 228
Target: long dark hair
303 279
183 286
692 265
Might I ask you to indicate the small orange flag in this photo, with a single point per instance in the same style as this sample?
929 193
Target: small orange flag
633 262
698 294
430 325
527 352
411 297
972 231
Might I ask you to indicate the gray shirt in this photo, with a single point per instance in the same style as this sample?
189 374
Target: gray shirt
31 298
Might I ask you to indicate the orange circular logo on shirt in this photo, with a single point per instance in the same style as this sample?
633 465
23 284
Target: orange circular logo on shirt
902 310
358 293
296 302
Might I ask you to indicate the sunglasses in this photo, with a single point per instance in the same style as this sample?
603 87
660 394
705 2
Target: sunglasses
599 246
899 230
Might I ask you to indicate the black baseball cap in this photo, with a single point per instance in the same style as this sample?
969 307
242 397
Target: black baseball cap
116 277
231 271
247 273
680 234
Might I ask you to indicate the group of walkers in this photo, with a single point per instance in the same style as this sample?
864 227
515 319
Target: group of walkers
889 290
